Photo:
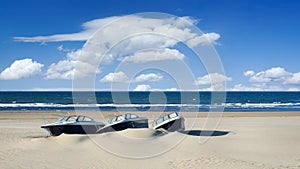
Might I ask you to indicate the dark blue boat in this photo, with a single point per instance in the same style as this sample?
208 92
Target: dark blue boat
170 122
73 125
123 122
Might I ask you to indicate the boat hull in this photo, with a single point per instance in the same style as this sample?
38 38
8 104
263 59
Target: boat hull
56 130
173 125
124 125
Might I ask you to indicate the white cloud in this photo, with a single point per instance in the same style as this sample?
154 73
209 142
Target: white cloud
119 77
62 70
74 54
71 66
216 80
138 32
272 79
142 87
293 89
127 36
171 89
270 75
275 75
175 26
60 48
21 69
258 87
179 26
89 28
241 87
168 89
205 39
249 73
293 79
154 55
151 77
212 78
50 89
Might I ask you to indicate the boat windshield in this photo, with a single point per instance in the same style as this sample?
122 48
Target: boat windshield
62 119
113 120
173 115
131 116
166 117
122 117
87 119
84 118
160 120
71 118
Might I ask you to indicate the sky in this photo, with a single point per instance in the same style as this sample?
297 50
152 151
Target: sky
44 45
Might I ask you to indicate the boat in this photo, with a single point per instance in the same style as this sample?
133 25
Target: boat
73 125
123 122
170 122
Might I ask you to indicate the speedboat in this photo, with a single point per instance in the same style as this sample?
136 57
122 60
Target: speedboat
170 122
123 122
73 125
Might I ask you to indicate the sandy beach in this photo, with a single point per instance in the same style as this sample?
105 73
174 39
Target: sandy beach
241 140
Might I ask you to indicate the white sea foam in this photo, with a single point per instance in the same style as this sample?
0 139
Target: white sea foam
93 105
225 105
260 105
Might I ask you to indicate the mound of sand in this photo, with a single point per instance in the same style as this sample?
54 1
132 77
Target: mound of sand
141 133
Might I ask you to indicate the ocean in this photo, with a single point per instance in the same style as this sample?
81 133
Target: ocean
149 101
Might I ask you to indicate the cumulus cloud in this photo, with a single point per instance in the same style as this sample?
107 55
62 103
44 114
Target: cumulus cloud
151 77
216 80
64 69
142 87
121 77
249 73
171 89
241 87
178 27
270 75
154 55
272 79
293 79
293 89
167 89
128 37
21 69
71 66
212 78
173 25
205 39
257 87
115 77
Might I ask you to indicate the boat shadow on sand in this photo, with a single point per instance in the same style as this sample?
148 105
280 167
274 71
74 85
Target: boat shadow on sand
36 136
205 133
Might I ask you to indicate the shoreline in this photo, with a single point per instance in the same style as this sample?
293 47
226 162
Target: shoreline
187 114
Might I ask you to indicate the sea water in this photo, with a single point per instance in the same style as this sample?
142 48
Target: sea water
149 101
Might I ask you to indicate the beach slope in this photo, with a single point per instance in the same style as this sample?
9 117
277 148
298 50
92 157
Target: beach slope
247 141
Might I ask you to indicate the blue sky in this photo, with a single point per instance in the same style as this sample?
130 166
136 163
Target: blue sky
257 42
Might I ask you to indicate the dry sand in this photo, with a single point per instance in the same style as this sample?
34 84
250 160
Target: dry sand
242 140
